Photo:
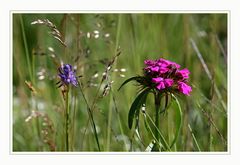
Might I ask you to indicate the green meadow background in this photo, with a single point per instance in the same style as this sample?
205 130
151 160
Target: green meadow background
195 41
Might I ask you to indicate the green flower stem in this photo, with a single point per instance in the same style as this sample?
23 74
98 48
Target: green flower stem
67 120
74 122
157 111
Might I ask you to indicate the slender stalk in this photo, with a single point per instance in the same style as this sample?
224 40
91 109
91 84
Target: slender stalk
26 48
73 123
31 70
109 124
221 48
34 97
194 138
90 116
67 120
208 74
156 122
119 120
88 106
157 110
37 124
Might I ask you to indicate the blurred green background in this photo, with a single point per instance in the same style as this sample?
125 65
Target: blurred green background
92 41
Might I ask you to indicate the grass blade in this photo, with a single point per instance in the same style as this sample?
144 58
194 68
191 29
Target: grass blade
194 138
208 73
26 48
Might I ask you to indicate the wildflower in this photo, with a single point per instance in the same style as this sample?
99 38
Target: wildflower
67 75
165 75
162 78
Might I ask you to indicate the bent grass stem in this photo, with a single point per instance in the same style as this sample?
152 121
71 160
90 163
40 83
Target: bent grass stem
194 138
91 117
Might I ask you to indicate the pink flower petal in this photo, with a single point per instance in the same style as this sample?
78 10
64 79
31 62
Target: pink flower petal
157 80
168 82
163 70
149 62
161 85
183 73
167 63
154 68
184 88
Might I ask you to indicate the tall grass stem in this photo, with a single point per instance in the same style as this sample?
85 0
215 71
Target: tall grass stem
208 73
26 48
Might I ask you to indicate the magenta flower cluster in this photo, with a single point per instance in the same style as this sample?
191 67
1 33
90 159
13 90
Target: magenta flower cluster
166 75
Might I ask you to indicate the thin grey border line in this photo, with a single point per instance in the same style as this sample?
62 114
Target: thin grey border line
228 12
121 11
229 79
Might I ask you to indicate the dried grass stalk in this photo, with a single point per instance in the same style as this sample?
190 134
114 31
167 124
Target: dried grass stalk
54 31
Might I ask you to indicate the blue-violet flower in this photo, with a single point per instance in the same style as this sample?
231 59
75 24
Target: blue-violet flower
67 75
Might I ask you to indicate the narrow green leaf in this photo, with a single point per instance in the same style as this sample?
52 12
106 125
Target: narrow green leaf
135 107
148 128
128 80
178 123
162 139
